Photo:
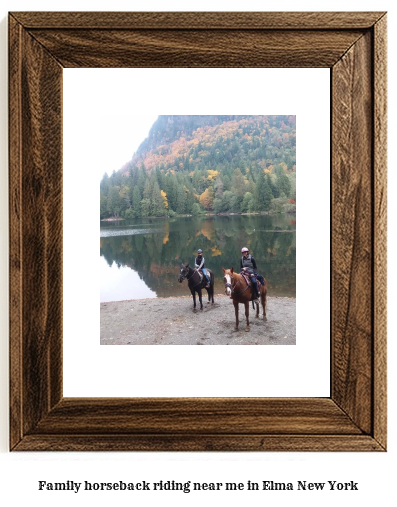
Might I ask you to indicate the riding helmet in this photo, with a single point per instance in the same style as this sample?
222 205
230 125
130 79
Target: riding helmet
199 251
245 249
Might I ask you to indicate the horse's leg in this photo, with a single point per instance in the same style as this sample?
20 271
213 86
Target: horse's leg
257 309
264 302
212 287
247 313
236 312
200 299
194 299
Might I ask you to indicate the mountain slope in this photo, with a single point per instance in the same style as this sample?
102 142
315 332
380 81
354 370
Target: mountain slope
215 163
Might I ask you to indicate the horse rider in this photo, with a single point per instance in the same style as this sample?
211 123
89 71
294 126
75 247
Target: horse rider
248 264
199 265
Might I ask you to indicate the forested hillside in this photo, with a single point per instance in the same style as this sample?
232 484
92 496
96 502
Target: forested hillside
195 164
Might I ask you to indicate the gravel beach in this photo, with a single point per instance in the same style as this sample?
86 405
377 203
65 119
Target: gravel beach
172 321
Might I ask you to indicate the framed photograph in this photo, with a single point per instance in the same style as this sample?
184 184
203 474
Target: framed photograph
353 46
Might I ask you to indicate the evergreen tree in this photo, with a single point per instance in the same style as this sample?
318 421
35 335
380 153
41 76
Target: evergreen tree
246 204
273 187
238 183
114 202
180 207
136 202
105 184
190 202
125 198
145 207
104 213
142 178
283 183
156 201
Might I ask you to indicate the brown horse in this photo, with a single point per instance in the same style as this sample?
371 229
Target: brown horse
237 288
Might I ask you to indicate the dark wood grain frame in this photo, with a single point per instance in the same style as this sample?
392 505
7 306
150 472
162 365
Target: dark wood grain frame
353 46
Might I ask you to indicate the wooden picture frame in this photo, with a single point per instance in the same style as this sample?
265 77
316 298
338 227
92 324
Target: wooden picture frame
353 46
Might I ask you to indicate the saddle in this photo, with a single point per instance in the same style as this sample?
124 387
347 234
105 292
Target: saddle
202 276
247 278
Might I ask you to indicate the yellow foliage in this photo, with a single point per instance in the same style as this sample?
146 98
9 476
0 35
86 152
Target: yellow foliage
167 231
266 171
164 196
206 199
212 174
215 251
208 229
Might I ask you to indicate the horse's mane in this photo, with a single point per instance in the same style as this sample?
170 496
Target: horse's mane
230 273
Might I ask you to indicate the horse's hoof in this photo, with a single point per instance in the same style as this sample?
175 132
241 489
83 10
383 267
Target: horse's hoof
247 329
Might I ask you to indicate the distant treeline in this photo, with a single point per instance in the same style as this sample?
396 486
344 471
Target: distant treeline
242 164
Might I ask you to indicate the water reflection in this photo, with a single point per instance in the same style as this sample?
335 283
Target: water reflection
152 250
119 283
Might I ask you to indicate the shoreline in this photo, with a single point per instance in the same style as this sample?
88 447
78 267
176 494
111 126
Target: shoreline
113 219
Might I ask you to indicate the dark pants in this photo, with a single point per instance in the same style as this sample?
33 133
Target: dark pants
254 284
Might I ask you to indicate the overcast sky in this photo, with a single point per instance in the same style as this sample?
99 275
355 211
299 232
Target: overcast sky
120 138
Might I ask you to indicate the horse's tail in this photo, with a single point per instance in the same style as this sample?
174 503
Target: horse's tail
212 285
263 293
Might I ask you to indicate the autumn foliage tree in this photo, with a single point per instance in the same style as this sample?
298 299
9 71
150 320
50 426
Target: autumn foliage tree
207 198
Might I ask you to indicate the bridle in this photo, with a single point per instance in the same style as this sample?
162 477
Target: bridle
232 287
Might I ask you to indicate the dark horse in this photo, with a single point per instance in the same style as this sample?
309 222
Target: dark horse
196 283
237 288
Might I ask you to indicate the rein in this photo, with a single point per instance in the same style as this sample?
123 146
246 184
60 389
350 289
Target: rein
193 286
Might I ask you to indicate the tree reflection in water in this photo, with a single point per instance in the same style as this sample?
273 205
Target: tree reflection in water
155 248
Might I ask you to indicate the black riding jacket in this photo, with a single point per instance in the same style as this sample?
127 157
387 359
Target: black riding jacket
199 262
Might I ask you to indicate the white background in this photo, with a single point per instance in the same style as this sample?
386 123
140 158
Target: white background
19 473
229 371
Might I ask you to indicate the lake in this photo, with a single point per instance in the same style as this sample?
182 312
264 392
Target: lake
141 258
